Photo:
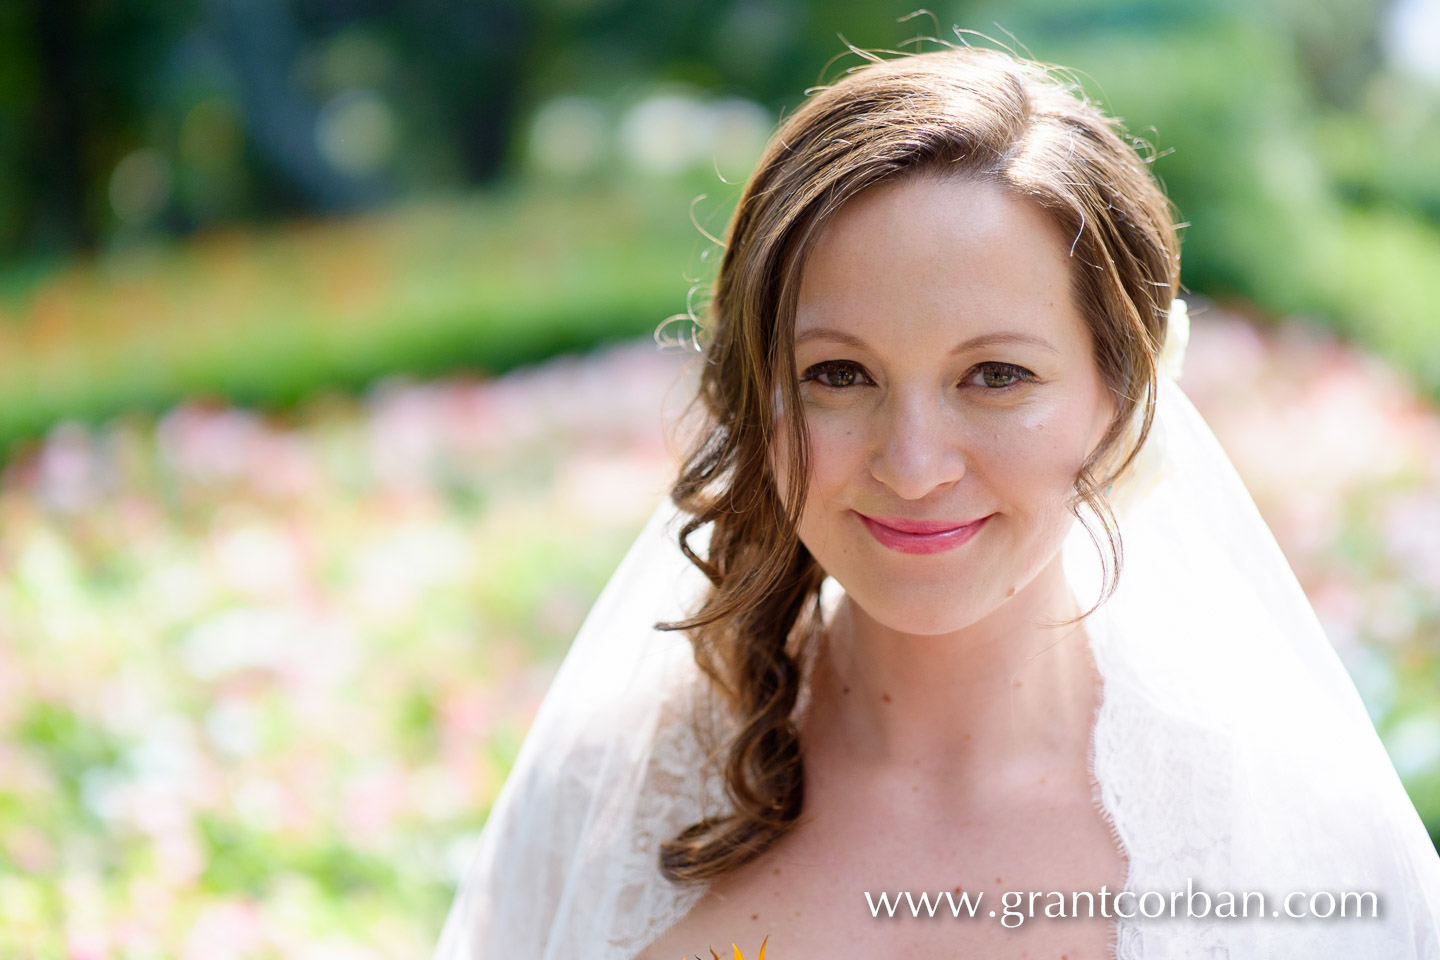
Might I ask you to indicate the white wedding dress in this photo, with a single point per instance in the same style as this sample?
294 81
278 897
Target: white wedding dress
1230 748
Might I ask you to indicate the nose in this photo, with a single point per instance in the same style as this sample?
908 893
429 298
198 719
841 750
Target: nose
917 447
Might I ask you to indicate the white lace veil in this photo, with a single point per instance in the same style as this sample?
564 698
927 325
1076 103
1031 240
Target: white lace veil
1230 749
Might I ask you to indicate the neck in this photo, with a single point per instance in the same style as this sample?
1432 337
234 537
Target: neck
1007 690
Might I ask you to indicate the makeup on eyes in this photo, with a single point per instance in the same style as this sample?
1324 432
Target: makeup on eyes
1018 374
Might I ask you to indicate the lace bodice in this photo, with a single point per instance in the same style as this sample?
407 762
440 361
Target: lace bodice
1160 804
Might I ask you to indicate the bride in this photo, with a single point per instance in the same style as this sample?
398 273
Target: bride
956 602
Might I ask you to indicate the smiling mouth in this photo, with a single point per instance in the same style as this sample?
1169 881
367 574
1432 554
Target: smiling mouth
921 526
922 537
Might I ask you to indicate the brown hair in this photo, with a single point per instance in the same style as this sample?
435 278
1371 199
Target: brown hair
963 112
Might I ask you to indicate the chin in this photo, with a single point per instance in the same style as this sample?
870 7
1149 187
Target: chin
923 611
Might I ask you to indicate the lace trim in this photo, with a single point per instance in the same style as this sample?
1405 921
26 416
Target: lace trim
1161 784
682 785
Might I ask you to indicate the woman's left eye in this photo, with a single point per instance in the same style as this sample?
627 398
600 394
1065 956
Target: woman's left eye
996 377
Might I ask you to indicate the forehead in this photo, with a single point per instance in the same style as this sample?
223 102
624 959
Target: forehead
925 258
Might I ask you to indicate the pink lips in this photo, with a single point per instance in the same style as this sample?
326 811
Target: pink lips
912 536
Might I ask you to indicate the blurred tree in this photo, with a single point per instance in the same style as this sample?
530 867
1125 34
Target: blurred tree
480 55
77 75
125 118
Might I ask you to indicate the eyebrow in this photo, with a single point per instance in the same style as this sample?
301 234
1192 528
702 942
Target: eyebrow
983 340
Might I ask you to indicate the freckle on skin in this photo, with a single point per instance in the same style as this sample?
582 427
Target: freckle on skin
845 690
1019 683
756 916
1010 592
885 697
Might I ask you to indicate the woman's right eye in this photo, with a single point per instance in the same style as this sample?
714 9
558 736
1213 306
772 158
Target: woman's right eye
836 374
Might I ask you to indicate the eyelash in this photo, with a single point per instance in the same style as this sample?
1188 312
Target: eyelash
1019 373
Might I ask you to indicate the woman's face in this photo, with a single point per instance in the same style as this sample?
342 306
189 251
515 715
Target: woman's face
948 380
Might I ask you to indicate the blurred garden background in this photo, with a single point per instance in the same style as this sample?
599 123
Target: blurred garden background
329 398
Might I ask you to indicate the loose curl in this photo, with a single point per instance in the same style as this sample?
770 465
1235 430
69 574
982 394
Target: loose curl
968 112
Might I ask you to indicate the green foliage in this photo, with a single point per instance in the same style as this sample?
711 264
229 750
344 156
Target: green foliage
1292 206
74 748
483 284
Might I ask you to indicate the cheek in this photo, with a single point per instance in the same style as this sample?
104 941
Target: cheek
1031 458
837 450
836 453
837 459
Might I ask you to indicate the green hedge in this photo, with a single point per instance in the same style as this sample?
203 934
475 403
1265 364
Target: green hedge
481 283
